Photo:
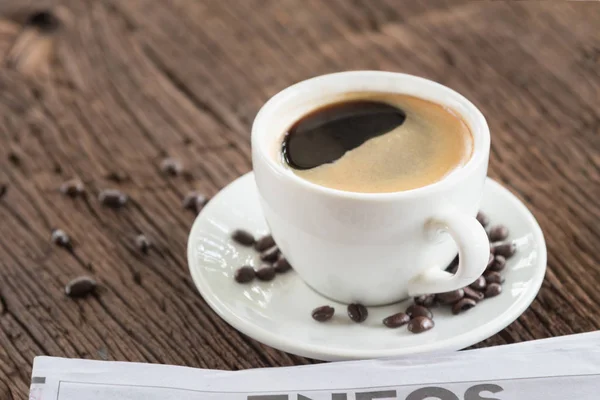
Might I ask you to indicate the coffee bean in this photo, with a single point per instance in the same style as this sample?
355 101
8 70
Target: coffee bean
483 219
499 263
244 274
264 243
493 289
117 177
323 313
473 294
243 237
270 255
142 243
45 21
479 283
453 266
188 176
493 277
282 265
3 189
112 198
426 300
450 297
14 158
396 320
414 311
420 324
463 305
265 272
72 188
507 250
194 201
80 287
357 312
171 166
60 238
498 233
490 260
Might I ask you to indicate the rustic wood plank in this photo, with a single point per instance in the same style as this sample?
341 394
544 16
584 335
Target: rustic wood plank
133 82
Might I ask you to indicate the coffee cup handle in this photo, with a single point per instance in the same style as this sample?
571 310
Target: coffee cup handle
473 250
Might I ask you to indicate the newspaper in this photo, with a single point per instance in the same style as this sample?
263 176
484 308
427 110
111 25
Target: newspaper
551 369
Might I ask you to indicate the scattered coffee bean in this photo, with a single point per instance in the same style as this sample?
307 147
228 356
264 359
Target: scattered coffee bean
44 21
450 297
463 305
244 274
80 287
415 311
357 312
171 166
14 159
60 238
490 260
194 201
507 250
396 320
72 188
479 283
483 219
270 255
142 243
265 272
137 277
493 277
264 243
282 265
473 294
323 313
453 266
3 189
499 263
420 324
426 300
112 198
493 289
243 237
188 176
117 177
498 233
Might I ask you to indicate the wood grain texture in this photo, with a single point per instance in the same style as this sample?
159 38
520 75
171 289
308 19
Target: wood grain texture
131 82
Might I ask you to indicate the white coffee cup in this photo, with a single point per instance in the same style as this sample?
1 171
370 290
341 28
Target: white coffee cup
372 248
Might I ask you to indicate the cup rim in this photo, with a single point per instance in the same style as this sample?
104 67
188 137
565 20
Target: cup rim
436 92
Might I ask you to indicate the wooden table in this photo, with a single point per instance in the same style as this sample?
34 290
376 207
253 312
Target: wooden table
128 83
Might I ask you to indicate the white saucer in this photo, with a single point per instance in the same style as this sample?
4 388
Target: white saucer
278 313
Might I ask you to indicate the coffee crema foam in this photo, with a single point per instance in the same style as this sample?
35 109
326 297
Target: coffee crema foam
428 145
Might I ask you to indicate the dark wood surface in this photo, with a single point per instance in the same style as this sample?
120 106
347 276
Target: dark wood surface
124 84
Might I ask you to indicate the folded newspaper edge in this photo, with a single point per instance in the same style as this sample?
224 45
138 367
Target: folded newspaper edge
568 361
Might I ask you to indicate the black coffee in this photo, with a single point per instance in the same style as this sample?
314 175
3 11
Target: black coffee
326 134
377 143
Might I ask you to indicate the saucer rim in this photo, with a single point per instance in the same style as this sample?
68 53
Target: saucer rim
320 352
